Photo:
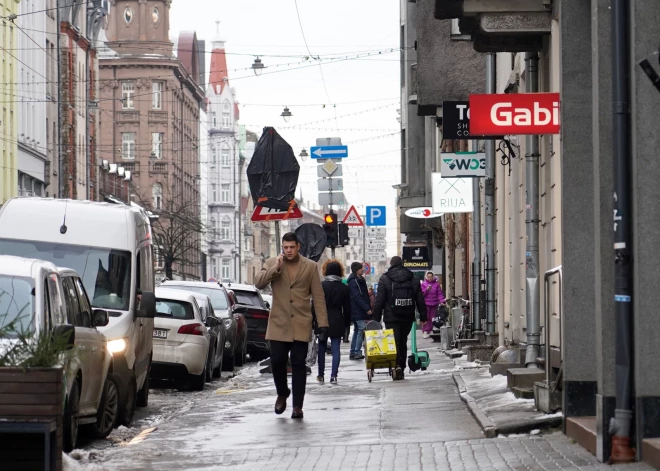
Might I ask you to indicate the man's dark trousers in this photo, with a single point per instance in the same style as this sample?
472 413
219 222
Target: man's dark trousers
401 331
279 356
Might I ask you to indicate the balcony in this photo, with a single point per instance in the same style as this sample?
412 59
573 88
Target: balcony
158 167
500 25
127 117
157 117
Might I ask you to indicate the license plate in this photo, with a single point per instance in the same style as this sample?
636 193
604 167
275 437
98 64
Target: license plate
160 334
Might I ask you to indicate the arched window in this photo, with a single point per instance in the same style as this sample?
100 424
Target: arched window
157 195
226 115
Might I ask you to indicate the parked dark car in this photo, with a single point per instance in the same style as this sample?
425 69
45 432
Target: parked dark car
234 322
256 314
241 325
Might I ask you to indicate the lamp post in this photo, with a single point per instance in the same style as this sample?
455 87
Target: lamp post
257 66
303 155
286 115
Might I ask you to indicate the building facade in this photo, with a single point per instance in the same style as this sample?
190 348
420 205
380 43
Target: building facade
226 166
34 84
150 101
9 116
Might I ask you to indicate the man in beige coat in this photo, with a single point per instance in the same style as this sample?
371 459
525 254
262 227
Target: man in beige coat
294 279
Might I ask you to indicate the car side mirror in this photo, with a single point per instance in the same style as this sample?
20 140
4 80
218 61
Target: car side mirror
147 306
65 334
240 309
100 318
267 305
212 322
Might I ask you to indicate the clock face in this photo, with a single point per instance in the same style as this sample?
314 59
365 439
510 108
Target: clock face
128 15
155 14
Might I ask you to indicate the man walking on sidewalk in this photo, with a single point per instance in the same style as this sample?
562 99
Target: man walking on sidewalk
398 294
360 308
294 280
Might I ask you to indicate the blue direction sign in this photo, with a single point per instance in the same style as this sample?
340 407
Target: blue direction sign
329 152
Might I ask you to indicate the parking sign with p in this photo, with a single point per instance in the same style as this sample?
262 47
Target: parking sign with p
376 216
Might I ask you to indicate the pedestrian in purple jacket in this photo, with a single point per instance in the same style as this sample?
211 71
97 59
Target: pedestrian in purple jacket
433 297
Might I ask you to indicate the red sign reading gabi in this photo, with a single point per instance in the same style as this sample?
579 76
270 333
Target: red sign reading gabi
516 113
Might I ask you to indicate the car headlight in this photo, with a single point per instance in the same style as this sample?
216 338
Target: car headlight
227 323
117 345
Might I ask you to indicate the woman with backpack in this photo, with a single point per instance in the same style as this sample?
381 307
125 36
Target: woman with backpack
338 304
433 297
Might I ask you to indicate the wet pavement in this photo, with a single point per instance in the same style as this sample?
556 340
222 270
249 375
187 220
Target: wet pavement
416 424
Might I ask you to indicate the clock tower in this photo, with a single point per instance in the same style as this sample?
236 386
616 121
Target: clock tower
138 27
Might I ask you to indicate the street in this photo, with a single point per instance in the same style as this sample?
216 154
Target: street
416 424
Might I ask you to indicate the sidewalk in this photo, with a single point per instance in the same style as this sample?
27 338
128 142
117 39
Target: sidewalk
494 406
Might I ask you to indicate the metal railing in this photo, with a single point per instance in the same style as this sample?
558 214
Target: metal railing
546 277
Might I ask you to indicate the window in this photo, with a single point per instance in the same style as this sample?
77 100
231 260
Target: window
224 232
159 262
225 193
224 157
71 299
225 268
214 120
214 268
157 195
157 89
214 192
226 115
127 93
128 145
157 144
214 156
85 309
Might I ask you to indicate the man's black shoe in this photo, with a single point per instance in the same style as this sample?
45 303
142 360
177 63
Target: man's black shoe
297 413
358 357
280 403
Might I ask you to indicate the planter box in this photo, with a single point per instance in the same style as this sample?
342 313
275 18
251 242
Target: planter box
31 414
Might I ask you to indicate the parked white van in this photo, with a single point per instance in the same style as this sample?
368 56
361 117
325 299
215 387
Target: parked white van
109 245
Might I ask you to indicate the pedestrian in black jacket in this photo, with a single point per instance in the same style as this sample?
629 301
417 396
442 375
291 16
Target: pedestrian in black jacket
338 304
399 293
360 308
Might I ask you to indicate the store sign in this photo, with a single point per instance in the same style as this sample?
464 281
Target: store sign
452 195
416 258
516 113
422 213
467 164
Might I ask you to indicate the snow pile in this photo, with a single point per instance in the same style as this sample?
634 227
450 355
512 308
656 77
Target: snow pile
79 460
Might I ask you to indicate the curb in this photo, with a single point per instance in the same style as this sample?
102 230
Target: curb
488 427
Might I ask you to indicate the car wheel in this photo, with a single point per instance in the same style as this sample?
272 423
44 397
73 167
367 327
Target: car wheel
240 355
229 362
127 409
209 367
106 417
198 381
70 425
143 394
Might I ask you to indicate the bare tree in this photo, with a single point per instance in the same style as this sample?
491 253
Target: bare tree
177 230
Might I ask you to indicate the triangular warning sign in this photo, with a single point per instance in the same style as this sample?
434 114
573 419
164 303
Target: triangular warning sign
352 218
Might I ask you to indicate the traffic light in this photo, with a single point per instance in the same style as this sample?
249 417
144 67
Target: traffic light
330 228
343 238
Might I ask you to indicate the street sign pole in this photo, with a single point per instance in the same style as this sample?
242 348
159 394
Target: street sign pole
364 244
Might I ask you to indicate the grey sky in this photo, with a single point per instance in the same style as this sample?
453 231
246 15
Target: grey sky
332 29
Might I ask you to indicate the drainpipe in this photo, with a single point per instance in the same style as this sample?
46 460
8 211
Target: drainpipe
490 208
533 295
88 126
60 166
476 239
620 425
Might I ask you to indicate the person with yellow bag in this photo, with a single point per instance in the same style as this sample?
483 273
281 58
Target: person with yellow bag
399 294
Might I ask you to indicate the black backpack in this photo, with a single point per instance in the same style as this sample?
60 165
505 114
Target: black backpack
402 298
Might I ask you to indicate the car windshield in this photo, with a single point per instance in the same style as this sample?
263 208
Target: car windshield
106 273
248 298
170 309
218 297
17 306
